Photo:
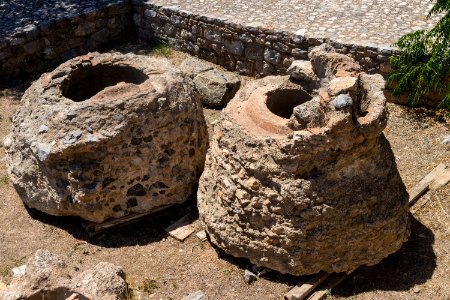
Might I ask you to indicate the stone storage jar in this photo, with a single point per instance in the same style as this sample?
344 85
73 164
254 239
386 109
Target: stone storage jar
104 135
299 177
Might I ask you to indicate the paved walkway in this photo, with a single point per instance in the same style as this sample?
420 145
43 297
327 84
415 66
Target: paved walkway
361 22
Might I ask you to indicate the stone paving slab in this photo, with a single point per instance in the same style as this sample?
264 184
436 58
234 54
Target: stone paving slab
362 22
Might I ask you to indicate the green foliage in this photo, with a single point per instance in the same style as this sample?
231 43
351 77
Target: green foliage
424 62
4 179
161 49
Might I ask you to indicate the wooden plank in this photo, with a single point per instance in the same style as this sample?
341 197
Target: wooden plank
301 291
201 235
423 185
182 228
93 228
333 281
440 179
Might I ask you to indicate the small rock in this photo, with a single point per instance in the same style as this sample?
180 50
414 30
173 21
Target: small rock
234 47
43 129
43 150
308 114
72 137
249 276
70 115
19 271
217 87
192 66
302 70
342 101
258 270
446 140
198 295
342 85
416 289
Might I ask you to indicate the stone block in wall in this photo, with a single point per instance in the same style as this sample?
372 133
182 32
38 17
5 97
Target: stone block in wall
34 47
267 69
244 68
3 43
84 28
208 55
137 19
247 38
5 53
17 41
234 47
31 32
254 52
272 56
299 53
212 35
170 30
187 35
149 13
281 47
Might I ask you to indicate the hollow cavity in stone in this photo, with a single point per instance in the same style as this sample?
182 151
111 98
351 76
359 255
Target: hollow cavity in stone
87 81
282 102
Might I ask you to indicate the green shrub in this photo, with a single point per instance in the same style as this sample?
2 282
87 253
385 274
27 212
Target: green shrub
424 62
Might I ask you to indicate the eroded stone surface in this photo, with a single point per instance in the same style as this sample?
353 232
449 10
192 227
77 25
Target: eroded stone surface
105 135
216 87
47 277
309 188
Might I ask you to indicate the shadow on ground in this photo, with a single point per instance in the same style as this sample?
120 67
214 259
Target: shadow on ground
413 264
147 230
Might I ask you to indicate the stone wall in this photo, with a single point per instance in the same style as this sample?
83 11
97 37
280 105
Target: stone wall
41 44
249 50
49 36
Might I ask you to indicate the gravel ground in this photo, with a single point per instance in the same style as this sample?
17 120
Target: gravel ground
418 271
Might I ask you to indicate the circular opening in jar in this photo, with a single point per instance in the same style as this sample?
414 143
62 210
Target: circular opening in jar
87 81
282 102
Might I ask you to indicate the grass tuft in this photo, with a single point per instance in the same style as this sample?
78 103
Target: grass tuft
161 49
4 179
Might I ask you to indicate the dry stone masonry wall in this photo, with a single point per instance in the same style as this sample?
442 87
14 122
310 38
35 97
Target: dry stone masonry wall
49 33
46 33
251 49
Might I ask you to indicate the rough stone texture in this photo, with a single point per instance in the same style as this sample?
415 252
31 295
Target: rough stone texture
299 181
216 87
345 21
219 32
47 277
39 34
105 135
105 281
302 70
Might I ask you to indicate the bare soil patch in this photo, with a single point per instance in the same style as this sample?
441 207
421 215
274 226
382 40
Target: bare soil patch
170 269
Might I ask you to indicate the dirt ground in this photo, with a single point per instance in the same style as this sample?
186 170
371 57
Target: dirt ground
169 269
